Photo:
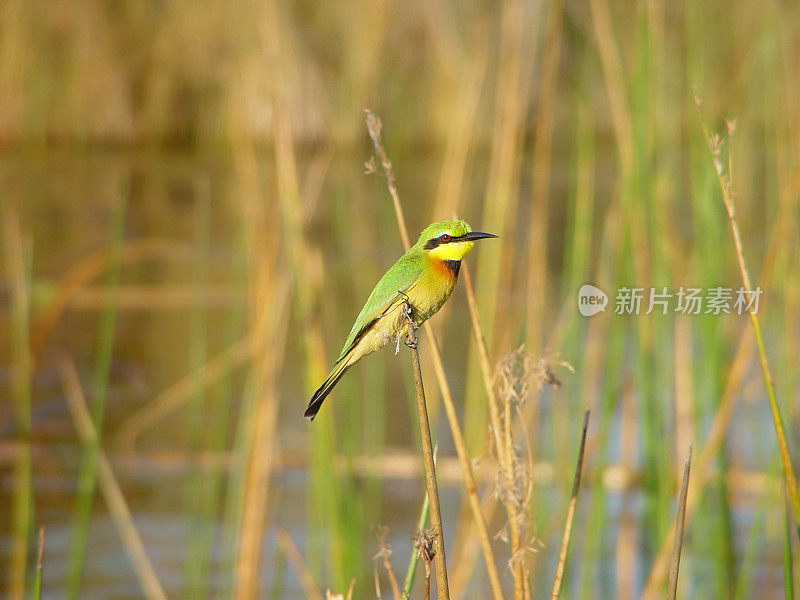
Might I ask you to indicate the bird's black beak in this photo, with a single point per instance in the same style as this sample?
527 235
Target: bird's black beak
477 235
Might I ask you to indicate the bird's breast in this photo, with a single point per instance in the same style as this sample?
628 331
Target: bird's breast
433 289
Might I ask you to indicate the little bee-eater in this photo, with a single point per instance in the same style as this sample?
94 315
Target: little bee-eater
424 278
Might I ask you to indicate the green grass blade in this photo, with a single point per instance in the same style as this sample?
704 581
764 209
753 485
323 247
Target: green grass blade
99 387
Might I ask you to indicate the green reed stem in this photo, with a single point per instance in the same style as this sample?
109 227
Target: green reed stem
87 477
18 266
408 582
200 535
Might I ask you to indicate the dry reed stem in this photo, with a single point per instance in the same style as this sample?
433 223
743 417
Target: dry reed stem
460 135
727 198
516 50
392 579
377 580
464 568
261 452
623 131
486 369
503 441
576 486
290 205
289 549
40 551
109 486
383 554
439 559
615 83
677 544
684 385
461 132
374 127
540 192
291 213
181 392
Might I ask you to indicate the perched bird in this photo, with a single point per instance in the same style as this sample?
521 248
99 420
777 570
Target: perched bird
424 278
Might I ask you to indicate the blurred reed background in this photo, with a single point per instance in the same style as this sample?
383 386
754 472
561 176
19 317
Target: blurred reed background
188 232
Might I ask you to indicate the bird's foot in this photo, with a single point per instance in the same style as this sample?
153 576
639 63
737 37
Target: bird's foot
411 339
408 311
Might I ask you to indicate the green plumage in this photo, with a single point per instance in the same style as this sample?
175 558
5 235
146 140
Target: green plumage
424 277
399 278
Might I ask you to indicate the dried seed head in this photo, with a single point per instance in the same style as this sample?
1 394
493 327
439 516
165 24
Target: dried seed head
518 374
425 543
513 379
502 534
382 534
513 487
532 546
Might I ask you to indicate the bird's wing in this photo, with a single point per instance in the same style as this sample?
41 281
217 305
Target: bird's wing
387 297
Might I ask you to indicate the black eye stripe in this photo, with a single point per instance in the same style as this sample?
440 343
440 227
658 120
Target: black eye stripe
437 241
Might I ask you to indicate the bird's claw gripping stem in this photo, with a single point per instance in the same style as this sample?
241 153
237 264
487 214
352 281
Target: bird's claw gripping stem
411 339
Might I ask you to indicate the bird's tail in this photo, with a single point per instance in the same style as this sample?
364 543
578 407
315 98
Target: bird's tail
319 396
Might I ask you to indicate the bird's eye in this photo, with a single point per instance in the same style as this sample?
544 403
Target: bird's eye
445 237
